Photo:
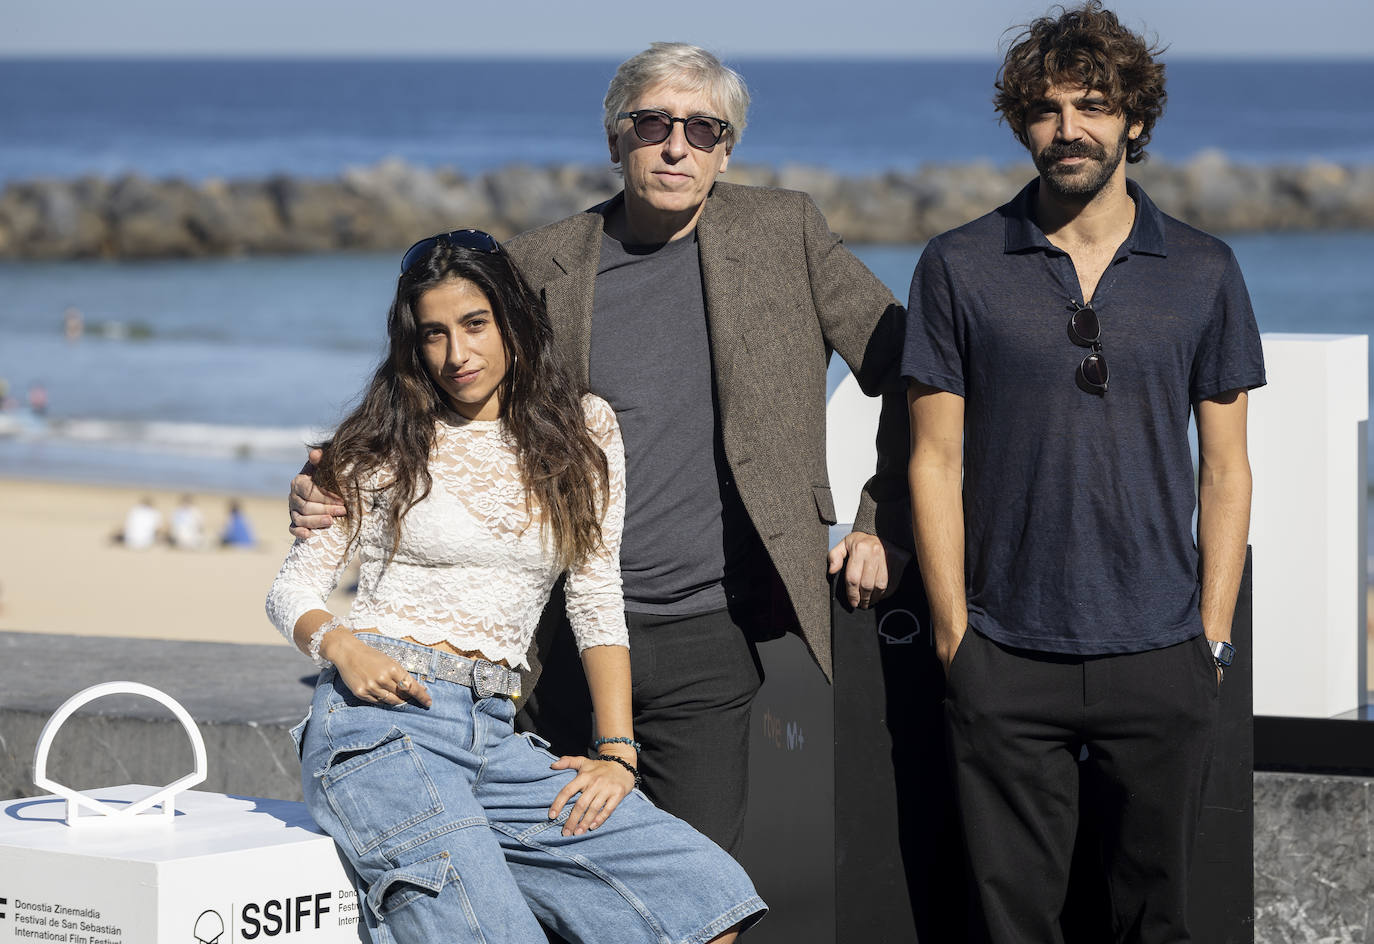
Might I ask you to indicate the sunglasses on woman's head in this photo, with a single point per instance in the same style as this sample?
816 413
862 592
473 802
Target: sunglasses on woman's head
473 239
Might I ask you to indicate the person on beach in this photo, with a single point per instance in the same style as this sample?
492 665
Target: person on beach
142 526
1053 497
73 323
237 531
473 475
186 526
705 313
38 399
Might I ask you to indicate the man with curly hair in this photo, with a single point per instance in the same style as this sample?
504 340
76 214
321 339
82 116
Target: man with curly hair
1082 625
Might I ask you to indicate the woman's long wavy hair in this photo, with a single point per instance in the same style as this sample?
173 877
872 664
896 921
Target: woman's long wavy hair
389 437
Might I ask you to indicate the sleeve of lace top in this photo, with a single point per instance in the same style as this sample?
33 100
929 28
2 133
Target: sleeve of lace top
308 576
596 607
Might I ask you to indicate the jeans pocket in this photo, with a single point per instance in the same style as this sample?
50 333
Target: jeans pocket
400 886
379 789
538 744
297 732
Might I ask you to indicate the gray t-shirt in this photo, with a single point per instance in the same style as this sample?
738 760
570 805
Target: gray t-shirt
686 532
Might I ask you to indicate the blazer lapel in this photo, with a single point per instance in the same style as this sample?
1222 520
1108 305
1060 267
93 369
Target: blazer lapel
722 267
571 295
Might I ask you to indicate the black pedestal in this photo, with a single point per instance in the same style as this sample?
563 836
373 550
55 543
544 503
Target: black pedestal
852 833
1222 894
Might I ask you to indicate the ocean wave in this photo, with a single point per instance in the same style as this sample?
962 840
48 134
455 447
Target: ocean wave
206 440
120 330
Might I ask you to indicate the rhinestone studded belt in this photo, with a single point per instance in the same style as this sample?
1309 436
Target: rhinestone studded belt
484 678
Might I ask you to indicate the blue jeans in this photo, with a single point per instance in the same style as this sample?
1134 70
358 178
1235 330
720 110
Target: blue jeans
443 813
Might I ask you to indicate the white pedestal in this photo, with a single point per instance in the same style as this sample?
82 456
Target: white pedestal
851 423
1307 452
224 870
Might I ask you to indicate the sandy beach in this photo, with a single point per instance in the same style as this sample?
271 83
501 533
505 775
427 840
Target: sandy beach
61 573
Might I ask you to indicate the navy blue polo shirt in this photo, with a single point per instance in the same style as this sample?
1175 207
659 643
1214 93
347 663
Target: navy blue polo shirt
1078 506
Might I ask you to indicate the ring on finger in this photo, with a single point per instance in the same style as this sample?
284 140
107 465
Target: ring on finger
404 684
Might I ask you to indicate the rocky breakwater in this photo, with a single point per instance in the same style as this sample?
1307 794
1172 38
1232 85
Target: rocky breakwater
390 204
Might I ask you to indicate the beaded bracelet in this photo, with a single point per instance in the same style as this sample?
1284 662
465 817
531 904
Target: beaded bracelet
599 742
317 639
634 771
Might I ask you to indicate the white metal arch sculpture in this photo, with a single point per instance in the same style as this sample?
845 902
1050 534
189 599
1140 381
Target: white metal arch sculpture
166 796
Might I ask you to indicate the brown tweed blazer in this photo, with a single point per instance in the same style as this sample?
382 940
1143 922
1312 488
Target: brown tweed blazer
781 293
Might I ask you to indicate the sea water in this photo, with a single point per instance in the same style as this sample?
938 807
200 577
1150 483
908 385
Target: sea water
216 372
251 118
213 373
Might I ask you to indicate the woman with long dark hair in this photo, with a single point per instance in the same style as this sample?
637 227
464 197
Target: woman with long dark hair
475 474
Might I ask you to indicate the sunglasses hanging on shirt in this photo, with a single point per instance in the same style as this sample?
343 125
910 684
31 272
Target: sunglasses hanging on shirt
1085 330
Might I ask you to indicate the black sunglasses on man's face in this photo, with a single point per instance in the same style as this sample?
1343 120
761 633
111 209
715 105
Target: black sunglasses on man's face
653 126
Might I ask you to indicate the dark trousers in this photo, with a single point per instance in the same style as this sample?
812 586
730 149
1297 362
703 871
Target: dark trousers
694 679
1143 724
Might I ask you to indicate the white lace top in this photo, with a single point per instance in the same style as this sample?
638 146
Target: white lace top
472 568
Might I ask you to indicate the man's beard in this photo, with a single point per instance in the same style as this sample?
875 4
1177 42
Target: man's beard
1082 180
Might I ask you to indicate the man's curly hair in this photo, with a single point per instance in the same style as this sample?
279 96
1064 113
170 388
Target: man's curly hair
1083 47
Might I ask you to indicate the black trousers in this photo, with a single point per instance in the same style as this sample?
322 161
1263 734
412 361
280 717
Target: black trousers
1040 740
694 679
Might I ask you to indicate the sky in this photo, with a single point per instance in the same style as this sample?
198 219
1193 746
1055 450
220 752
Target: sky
732 28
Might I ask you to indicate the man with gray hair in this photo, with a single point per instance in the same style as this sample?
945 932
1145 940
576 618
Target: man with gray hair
706 313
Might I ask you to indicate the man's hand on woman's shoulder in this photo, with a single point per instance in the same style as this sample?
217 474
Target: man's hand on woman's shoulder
312 509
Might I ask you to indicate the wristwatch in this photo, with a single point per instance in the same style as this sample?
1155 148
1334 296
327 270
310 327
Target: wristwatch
1223 652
